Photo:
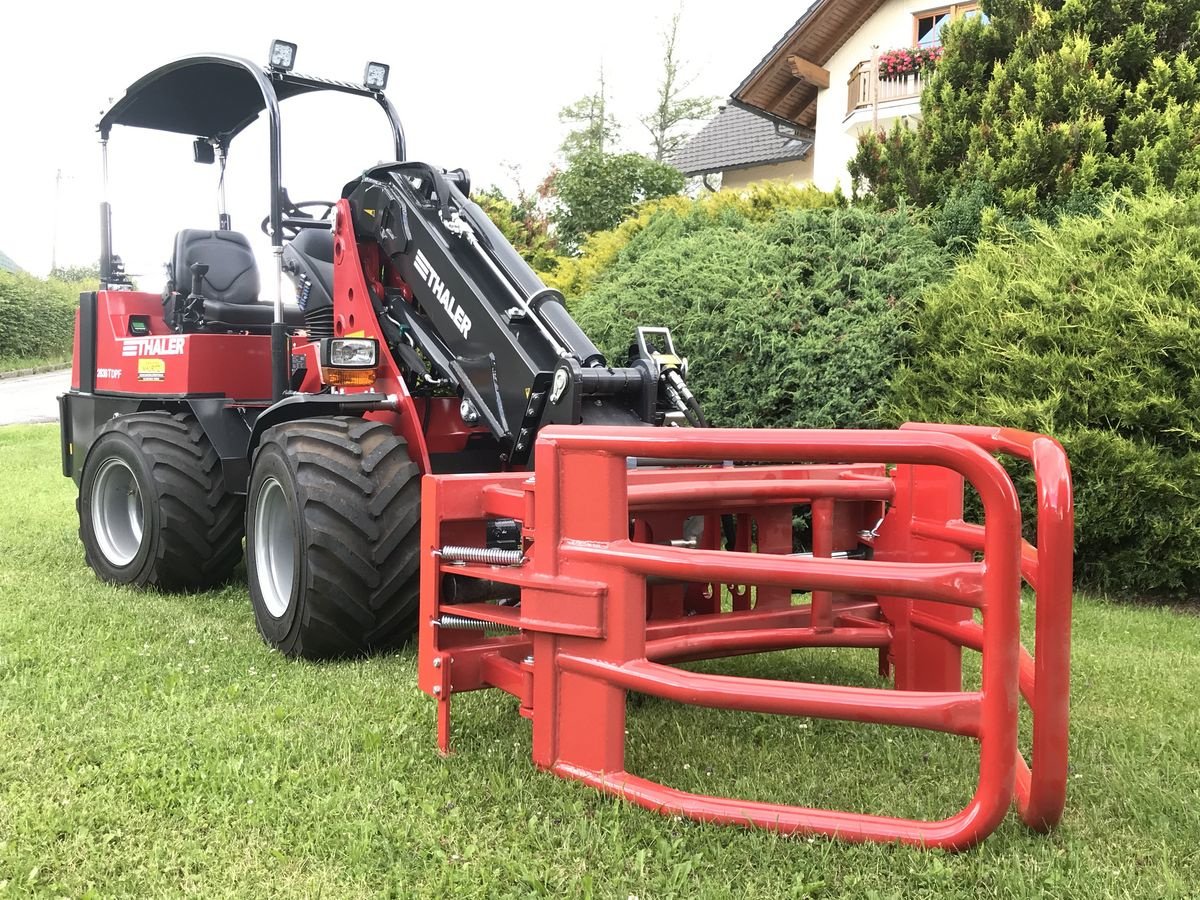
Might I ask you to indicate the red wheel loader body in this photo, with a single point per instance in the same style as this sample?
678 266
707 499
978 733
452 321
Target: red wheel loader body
428 445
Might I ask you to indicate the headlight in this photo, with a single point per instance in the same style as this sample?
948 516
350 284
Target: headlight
352 353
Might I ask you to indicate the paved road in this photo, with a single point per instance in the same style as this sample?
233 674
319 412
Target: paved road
33 398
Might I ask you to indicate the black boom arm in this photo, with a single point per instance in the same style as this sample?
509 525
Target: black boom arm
483 321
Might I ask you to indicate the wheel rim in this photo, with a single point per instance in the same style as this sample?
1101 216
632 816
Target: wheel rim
118 511
274 547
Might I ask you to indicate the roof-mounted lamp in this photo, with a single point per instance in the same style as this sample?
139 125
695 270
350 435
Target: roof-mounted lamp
375 77
283 55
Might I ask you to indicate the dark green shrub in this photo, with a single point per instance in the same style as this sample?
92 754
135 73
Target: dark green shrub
796 319
1087 331
37 318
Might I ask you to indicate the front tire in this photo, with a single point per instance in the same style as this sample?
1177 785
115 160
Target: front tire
153 506
332 538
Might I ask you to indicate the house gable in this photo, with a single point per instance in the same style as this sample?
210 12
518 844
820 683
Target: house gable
786 82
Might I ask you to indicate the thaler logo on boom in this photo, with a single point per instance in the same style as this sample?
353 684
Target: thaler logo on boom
461 321
171 345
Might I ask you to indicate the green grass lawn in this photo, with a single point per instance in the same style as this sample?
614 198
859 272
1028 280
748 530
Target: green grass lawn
17 363
152 745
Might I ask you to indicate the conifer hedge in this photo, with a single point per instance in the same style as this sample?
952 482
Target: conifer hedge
1088 331
37 317
792 316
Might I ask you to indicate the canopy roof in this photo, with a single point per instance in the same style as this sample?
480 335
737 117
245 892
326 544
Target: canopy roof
212 96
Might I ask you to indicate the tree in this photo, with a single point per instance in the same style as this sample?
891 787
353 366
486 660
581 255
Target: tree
596 128
673 109
597 190
1051 105
73 274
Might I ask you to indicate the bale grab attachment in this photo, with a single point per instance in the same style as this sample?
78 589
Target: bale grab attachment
603 590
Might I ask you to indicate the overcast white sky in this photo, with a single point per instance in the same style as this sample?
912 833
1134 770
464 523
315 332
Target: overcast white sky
477 84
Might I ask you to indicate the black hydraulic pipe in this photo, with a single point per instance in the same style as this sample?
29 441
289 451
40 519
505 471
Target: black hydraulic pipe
279 361
105 243
458 589
547 303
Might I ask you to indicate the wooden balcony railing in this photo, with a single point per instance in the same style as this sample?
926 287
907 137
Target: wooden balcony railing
866 89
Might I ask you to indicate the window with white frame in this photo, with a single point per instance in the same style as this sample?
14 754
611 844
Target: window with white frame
928 25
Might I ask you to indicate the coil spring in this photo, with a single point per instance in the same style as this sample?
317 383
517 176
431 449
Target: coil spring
462 623
488 556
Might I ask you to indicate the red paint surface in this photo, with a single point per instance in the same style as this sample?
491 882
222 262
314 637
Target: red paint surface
591 618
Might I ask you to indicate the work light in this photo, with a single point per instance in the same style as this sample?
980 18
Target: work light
351 353
283 55
376 75
349 362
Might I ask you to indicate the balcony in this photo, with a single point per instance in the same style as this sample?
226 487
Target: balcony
869 90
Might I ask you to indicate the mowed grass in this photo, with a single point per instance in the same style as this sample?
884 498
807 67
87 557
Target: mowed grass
152 745
19 363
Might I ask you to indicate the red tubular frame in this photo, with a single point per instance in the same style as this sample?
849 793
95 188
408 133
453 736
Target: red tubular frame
602 612
1045 678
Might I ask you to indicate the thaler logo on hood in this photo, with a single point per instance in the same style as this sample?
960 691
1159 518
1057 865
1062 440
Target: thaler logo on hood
166 345
461 321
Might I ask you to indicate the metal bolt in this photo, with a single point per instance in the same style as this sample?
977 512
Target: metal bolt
437 662
469 413
437 690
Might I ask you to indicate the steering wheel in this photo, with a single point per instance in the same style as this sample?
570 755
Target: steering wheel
296 219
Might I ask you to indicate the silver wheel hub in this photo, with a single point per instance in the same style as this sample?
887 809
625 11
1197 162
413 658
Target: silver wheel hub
118 512
274 547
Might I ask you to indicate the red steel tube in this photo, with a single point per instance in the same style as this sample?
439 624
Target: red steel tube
795 490
970 536
959 832
754 619
729 643
1042 805
952 712
959 583
970 635
822 547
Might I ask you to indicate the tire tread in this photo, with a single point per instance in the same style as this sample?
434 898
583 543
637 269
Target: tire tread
360 502
200 522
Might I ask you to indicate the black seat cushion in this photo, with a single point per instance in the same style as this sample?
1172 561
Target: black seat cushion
230 287
248 316
311 253
232 274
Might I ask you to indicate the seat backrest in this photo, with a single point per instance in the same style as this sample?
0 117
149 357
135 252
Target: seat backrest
310 253
232 273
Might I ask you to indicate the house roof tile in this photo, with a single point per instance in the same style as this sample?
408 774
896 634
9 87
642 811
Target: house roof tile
738 139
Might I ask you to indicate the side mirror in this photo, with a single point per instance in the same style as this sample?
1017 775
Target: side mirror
203 151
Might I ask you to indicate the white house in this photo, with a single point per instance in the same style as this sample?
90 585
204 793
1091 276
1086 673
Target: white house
823 83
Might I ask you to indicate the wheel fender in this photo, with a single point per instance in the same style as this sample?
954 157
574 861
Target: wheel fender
307 406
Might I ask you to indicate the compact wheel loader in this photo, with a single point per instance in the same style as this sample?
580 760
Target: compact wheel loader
426 446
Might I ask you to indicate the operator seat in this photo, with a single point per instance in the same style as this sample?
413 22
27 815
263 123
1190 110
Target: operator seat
310 253
231 285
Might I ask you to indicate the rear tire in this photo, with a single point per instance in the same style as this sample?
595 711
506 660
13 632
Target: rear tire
333 538
153 506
